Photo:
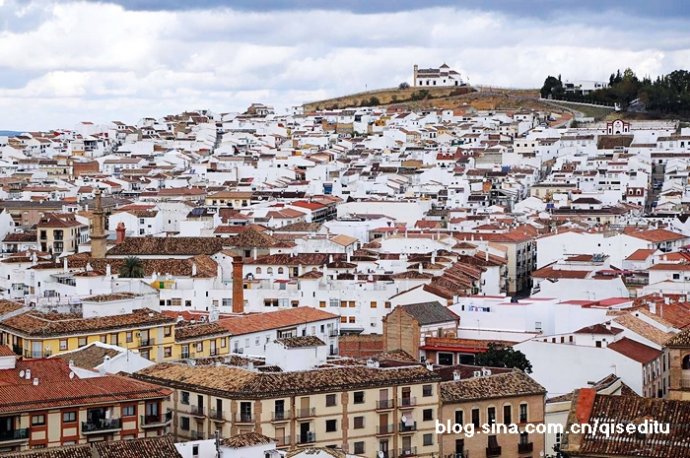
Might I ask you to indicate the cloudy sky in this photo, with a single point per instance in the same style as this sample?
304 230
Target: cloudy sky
62 62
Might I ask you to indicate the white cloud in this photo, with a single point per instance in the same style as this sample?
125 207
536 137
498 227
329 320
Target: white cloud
74 61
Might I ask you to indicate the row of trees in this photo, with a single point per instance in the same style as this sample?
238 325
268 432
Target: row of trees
669 94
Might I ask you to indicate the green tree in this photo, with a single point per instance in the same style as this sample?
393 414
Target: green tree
499 355
403 85
132 268
553 87
374 101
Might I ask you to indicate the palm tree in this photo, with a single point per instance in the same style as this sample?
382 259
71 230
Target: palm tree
132 268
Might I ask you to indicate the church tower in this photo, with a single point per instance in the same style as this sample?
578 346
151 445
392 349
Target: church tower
98 235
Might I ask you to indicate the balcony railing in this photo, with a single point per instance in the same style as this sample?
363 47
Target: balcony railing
386 429
306 438
198 411
305 413
147 342
525 448
493 451
280 415
14 435
463 454
283 441
333 333
215 414
407 451
244 417
156 420
197 435
406 427
384 404
101 426
408 402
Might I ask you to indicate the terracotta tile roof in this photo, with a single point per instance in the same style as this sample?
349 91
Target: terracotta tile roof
641 254
40 324
194 331
258 322
253 239
646 330
73 451
301 341
599 329
145 447
8 306
246 440
174 246
56 389
589 408
427 313
88 357
656 235
513 383
549 272
635 350
234 382
59 220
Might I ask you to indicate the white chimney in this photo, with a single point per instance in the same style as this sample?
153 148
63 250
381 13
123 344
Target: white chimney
429 366
28 374
194 269
64 264
108 270
35 381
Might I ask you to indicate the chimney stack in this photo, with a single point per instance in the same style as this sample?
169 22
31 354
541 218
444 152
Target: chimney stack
237 285
120 233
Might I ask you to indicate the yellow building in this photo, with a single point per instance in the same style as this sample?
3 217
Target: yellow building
202 340
37 334
363 409
60 232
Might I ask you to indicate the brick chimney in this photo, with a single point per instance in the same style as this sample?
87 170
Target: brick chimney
237 285
120 233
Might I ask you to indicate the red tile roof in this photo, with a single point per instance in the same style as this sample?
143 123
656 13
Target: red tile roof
258 322
635 350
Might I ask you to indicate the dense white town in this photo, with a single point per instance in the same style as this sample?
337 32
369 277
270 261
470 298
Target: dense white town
337 283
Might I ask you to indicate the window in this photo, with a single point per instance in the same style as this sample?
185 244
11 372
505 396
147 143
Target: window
352 304
129 411
258 270
373 304
330 400
104 339
128 337
322 304
459 417
524 438
167 352
359 448
269 271
37 420
358 423
507 415
184 423
184 397
280 270
199 346
359 397
63 345
387 304
428 439
195 450
491 415
475 417
351 319
427 390
81 342
331 425
523 413
223 342
167 331
69 417
428 414
343 303
114 339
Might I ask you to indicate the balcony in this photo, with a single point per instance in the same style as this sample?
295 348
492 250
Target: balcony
101 426
408 427
147 342
493 451
407 402
18 435
333 333
306 413
384 404
283 441
156 421
306 438
408 451
244 417
525 447
385 429
280 415
198 411
216 415
197 435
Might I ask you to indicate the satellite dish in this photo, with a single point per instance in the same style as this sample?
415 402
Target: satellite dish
21 374
380 454
403 419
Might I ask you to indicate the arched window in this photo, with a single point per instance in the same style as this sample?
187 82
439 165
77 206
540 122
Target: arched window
686 362
280 270
258 270
269 271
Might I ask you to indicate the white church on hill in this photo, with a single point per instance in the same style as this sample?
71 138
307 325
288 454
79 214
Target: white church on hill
442 76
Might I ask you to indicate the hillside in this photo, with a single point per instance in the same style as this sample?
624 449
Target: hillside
480 98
